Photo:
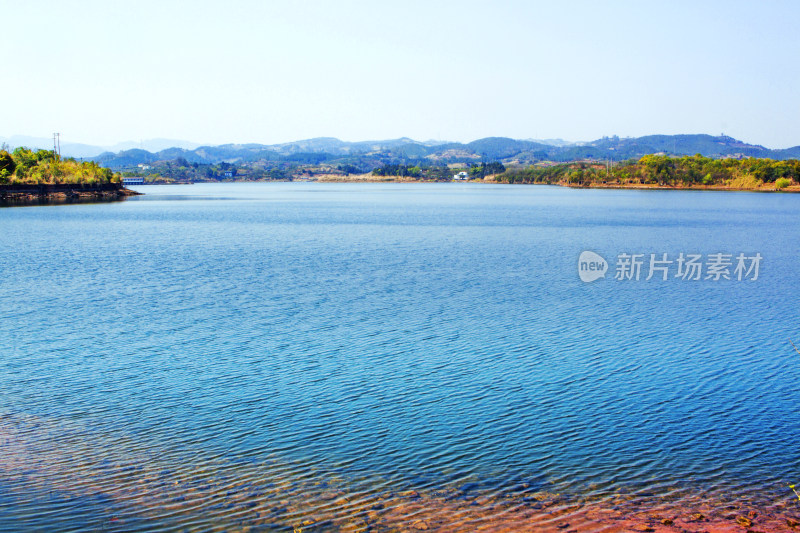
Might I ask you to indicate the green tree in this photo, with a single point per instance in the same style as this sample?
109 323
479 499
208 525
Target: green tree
7 166
782 183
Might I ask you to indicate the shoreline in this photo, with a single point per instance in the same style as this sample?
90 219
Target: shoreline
61 193
369 178
646 187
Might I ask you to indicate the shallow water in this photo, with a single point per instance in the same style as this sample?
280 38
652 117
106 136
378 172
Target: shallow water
270 355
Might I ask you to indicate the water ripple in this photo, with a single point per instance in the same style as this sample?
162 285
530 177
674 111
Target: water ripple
376 358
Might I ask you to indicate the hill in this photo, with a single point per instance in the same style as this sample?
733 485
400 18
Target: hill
371 154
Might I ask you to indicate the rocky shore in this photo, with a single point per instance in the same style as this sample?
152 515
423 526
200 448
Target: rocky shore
37 194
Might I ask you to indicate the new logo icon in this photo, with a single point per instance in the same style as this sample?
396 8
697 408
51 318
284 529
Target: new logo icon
591 266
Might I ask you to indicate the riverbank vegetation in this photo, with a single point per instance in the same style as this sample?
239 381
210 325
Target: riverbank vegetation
440 172
646 172
664 171
42 167
182 171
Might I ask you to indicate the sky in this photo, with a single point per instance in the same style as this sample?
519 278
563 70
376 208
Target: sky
236 71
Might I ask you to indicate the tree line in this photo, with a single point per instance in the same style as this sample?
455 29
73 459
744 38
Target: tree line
662 170
438 172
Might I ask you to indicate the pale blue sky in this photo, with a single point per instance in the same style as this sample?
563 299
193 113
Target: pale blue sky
269 72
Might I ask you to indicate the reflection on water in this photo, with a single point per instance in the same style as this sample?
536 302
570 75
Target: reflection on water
58 200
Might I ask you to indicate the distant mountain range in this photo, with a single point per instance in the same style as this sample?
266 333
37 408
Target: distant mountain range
370 154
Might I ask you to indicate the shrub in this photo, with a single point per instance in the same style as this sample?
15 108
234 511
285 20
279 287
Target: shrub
746 181
782 183
7 164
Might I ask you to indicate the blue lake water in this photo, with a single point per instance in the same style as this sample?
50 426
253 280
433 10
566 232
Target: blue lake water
387 337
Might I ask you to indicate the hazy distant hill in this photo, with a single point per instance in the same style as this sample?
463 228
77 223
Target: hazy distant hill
497 148
553 142
680 144
79 150
369 154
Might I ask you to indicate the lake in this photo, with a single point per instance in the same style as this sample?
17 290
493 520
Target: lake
369 357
